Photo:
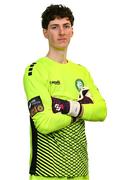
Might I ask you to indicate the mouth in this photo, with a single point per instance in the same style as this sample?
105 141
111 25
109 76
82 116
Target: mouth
62 39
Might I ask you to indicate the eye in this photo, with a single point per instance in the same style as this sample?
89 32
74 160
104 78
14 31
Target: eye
54 27
67 26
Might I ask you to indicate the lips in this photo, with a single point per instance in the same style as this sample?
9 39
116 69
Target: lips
62 39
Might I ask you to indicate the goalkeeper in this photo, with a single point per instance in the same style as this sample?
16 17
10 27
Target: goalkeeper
61 97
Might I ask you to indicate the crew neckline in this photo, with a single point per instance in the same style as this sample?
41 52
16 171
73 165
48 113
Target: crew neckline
56 62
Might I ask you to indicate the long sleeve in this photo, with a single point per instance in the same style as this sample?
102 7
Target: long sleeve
36 85
98 110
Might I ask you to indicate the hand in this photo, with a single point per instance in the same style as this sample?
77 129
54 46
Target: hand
72 108
84 97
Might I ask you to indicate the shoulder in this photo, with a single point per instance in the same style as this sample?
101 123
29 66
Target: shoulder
79 66
34 67
84 68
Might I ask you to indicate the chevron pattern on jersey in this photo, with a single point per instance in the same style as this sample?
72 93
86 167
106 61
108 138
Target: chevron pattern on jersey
62 153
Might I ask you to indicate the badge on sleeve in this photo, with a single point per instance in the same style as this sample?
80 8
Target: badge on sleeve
35 105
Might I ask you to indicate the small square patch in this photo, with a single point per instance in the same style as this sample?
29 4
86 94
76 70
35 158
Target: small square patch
35 105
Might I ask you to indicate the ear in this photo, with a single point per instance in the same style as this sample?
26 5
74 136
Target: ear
72 32
45 33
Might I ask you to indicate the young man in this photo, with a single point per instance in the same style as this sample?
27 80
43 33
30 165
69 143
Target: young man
61 96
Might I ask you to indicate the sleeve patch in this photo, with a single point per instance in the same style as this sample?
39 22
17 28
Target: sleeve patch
35 105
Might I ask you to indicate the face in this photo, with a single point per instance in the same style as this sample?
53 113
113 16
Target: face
59 33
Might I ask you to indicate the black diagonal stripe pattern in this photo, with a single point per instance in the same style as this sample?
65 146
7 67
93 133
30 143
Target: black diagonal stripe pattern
62 153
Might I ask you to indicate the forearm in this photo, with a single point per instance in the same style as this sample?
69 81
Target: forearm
95 112
47 122
86 110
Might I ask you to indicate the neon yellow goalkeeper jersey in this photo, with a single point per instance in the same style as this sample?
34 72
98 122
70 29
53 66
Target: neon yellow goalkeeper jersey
58 143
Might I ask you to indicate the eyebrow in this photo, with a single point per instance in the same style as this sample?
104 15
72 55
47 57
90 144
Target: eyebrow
58 24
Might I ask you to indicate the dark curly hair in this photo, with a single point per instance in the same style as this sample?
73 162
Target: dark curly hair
56 11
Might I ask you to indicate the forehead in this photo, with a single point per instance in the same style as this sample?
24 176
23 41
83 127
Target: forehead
60 21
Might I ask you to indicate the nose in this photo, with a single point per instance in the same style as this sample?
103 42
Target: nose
61 31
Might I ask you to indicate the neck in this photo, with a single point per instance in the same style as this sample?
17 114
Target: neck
57 55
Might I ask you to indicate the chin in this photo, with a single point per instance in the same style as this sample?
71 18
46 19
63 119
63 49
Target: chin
61 48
